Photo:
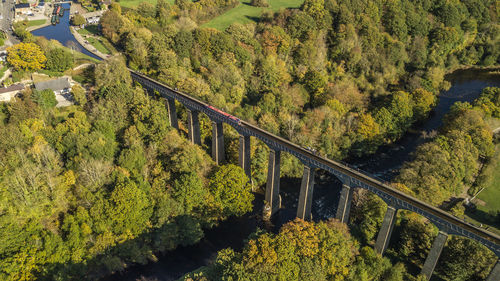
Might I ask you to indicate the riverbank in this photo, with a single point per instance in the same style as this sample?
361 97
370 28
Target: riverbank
493 68
33 28
86 45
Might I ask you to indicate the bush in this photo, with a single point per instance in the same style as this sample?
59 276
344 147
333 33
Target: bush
78 20
45 99
260 3
59 60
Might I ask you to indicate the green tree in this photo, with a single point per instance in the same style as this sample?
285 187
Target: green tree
59 59
45 98
78 20
189 191
112 73
231 190
26 56
79 95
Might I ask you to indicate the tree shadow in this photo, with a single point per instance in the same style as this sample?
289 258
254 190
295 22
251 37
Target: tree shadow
255 19
179 249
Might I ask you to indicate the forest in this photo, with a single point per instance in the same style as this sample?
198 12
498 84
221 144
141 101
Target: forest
90 189
341 77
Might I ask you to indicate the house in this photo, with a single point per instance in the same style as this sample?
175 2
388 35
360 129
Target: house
6 94
60 85
93 17
3 56
22 8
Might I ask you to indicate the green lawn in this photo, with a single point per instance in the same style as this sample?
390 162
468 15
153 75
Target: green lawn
89 30
92 30
135 3
244 13
491 193
36 22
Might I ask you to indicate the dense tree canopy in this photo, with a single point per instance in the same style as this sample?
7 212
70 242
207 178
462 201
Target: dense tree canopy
84 192
26 56
303 251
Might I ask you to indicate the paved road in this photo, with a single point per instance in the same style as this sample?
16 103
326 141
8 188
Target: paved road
7 13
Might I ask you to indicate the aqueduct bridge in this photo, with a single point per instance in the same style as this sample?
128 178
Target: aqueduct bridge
395 199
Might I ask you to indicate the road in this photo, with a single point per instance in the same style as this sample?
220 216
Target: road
7 14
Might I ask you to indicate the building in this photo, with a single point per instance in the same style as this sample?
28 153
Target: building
6 94
40 6
59 86
22 8
93 17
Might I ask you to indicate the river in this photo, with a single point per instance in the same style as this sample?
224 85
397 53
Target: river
61 33
466 86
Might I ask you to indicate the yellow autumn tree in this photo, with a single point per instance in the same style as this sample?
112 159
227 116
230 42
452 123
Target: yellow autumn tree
26 56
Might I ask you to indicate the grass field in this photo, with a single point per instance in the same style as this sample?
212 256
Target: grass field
98 45
135 3
491 193
244 13
96 42
36 22
89 30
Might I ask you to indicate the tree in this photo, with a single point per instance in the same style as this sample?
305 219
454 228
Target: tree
26 56
59 59
189 191
45 98
129 208
112 23
112 73
78 20
79 95
231 190
300 251
259 3
465 259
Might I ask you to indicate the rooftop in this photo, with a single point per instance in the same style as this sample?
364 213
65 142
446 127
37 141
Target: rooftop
54 85
12 88
22 5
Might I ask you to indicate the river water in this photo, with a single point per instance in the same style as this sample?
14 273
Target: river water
62 33
466 86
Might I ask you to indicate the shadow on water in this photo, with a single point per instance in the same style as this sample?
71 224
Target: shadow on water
467 85
62 33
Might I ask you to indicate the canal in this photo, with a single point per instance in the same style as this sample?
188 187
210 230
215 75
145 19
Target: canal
466 87
62 33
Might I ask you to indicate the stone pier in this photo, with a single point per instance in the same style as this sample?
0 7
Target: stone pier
244 155
172 113
193 127
273 184
217 142
384 235
433 256
306 194
495 273
344 204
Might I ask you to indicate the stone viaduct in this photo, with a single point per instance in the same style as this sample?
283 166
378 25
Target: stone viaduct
395 199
